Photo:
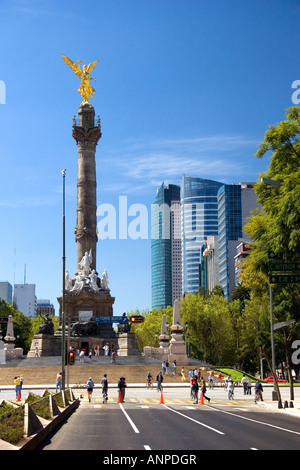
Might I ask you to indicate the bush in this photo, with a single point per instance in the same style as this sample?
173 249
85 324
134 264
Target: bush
11 423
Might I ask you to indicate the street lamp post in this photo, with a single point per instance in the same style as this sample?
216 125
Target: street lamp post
63 339
274 393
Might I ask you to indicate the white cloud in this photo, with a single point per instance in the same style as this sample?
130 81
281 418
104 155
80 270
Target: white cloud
144 164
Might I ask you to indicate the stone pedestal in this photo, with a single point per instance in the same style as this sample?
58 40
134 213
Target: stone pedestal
177 345
175 350
45 345
127 344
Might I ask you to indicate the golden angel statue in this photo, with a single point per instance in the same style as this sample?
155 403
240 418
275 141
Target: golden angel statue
86 90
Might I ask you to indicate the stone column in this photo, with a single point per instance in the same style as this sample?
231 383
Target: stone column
177 344
87 136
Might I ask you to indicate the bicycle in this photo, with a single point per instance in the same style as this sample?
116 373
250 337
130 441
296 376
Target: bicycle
149 384
258 396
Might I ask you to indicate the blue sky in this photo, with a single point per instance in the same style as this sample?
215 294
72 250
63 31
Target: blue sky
183 87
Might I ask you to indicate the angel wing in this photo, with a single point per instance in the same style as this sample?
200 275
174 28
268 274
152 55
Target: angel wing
73 66
92 65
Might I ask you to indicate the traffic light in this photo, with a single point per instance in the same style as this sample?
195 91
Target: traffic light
71 357
136 319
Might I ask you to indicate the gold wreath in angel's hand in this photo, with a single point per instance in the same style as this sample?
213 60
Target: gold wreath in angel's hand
86 90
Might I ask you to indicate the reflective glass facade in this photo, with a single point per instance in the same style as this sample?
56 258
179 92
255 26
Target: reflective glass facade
199 218
230 230
164 246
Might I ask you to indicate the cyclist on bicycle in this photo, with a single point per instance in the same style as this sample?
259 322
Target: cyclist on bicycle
230 388
258 392
149 379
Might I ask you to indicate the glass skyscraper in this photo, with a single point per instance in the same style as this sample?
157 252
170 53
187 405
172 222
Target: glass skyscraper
166 246
199 218
230 230
236 201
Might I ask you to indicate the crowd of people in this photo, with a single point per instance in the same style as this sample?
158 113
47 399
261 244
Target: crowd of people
198 386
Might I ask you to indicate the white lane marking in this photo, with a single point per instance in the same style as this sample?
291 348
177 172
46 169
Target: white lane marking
258 422
195 421
147 447
130 420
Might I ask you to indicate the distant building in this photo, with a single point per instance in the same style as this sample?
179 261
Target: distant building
235 203
6 292
166 247
199 216
210 263
45 307
242 251
24 299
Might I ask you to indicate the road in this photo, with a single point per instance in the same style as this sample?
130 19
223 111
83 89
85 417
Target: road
143 423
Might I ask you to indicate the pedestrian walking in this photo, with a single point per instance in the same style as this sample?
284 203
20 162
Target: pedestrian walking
211 380
167 367
174 367
21 381
81 356
122 387
182 374
58 382
195 390
159 381
163 367
203 388
104 383
244 382
90 387
17 386
113 357
249 386
36 354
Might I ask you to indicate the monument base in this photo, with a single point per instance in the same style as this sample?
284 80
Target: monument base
127 345
124 344
44 345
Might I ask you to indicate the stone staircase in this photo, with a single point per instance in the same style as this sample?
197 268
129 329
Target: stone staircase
43 370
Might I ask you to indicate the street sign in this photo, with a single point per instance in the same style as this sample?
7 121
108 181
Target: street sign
111 319
282 324
283 266
284 278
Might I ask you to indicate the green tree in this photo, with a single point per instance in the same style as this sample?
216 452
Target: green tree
277 226
281 204
209 335
148 332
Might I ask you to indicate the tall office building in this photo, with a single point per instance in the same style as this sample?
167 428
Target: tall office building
199 218
24 299
235 203
44 307
166 246
6 292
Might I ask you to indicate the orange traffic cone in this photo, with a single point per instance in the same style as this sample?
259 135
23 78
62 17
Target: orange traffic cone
161 398
201 399
120 398
18 396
